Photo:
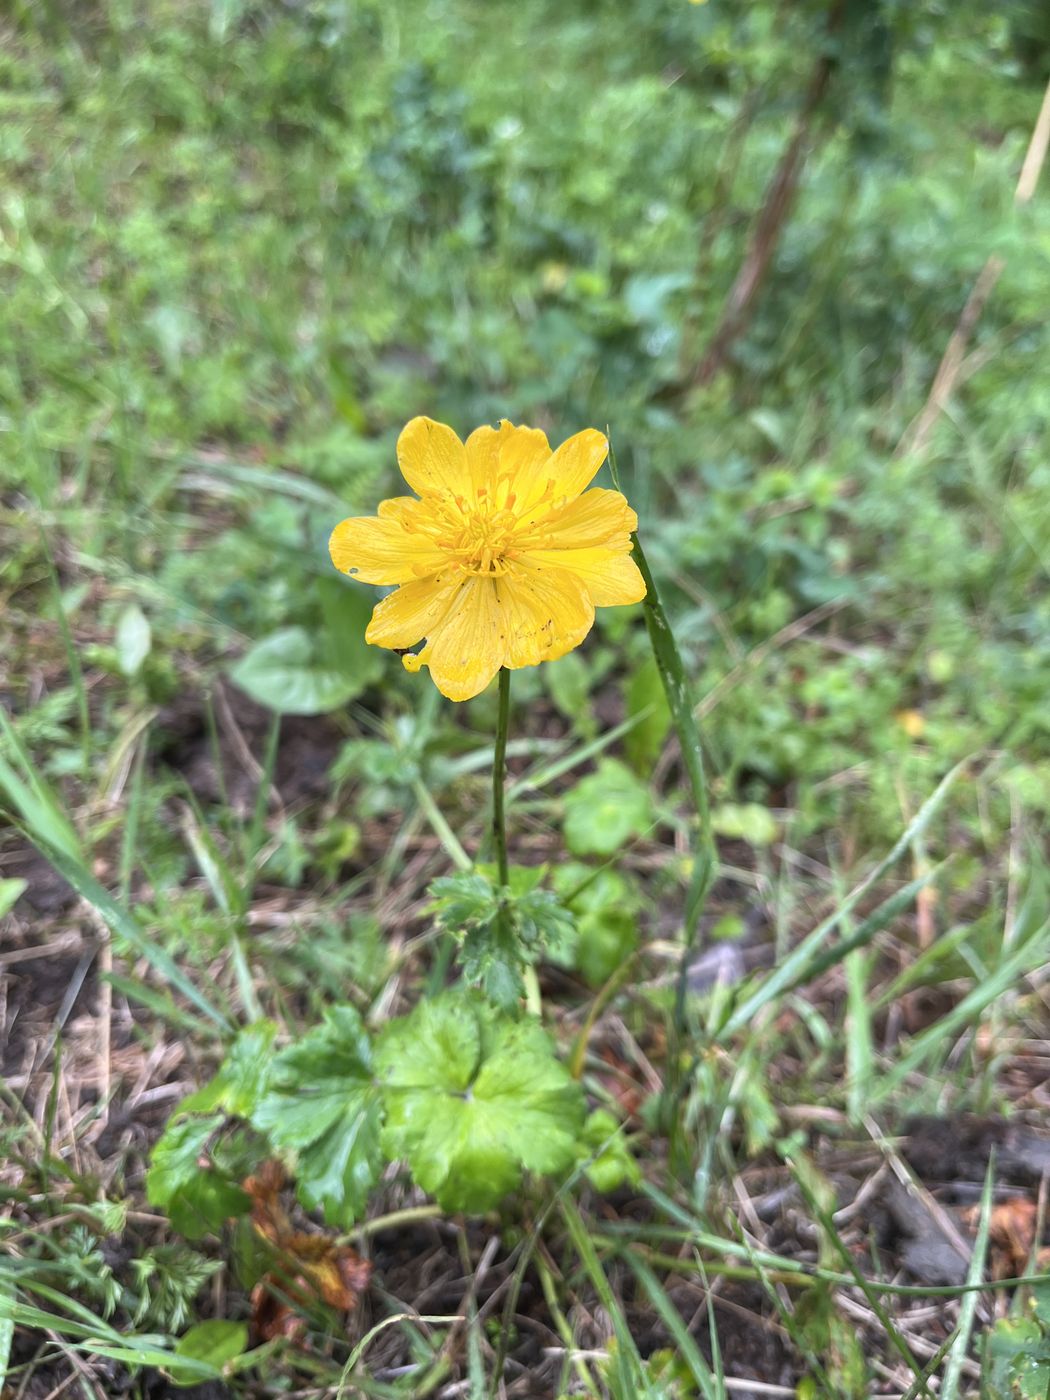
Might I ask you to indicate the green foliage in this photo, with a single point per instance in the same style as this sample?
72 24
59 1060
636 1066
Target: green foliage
1016 1352
322 1105
287 672
133 640
188 1177
646 702
832 1339
214 1342
605 906
501 932
606 810
241 1079
472 1099
604 1150
239 245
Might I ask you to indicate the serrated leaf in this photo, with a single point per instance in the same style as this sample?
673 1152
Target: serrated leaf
240 1082
133 640
472 1099
285 672
323 1105
182 1181
606 810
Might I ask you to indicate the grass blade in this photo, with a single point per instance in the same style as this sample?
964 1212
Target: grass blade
968 1308
125 926
672 1320
795 964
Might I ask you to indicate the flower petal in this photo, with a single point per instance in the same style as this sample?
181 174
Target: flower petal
568 471
610 576
523 453
468 647
598 517
383 550
432 458
483 457
546 612
412 612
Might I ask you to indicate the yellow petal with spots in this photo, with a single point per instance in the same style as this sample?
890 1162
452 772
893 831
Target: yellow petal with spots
411 613
469 646
383 550
545 611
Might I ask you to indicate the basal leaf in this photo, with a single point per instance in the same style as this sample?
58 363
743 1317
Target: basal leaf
285 672
240 1082
322 1105
184 1182
214 1342
606 810
472 1099
134 639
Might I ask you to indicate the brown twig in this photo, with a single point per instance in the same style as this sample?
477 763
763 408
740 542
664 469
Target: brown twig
776 206
948 371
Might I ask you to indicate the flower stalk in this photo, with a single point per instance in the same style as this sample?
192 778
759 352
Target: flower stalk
499 783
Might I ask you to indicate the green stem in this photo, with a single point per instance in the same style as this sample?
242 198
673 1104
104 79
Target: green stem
504 929
499 780
680 702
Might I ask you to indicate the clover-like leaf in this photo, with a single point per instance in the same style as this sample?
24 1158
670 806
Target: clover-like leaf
474 1098
323 1105
606 809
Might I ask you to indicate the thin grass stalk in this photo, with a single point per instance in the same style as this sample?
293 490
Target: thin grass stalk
676 687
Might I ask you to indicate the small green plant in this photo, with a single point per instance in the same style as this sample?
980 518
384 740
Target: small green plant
1016 1361
469 1096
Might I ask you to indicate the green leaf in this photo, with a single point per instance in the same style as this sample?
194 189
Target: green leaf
472 1099
214 1343
11 891
494 952
133 640
285 672
746 821
241 1081
322 1104
647 703
569 684
606 810
605 907
611 1163
183 1182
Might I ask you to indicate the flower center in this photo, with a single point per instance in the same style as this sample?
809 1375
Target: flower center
482 540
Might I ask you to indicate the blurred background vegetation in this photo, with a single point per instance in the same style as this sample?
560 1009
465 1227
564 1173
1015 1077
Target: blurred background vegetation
245 238
242 243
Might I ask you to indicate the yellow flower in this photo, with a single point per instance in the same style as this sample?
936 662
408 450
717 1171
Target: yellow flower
502 559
